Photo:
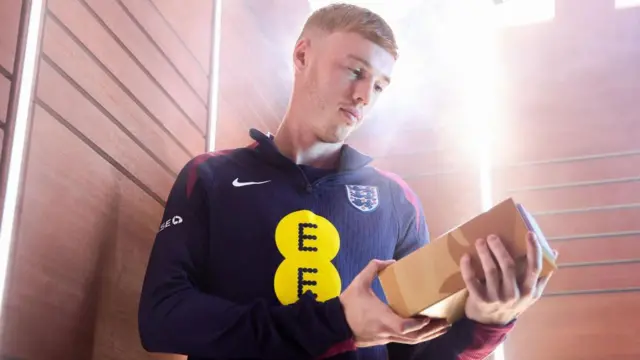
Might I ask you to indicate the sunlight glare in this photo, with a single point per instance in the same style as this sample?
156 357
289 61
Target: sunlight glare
622 4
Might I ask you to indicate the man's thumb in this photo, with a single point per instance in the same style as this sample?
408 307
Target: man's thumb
370 272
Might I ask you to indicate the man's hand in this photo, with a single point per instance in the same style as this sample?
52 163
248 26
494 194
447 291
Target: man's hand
374 323
504 294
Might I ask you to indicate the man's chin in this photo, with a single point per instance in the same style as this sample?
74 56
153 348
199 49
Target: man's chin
336 137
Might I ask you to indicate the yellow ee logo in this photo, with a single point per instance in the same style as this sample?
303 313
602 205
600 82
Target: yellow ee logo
308 243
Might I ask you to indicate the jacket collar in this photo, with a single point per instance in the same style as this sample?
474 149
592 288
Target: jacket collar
350 158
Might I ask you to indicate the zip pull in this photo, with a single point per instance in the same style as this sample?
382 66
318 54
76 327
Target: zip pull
309 188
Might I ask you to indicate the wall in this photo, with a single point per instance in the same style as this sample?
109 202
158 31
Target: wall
567 147
121 105
10 11
255 93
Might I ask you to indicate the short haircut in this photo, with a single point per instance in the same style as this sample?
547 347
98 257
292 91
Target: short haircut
351 18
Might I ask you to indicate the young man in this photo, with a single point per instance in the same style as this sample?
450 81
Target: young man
272 251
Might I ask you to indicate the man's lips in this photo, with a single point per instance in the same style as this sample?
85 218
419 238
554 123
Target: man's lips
353 114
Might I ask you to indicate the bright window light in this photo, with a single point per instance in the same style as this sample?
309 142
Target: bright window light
391 10
214 89
523 12
621 4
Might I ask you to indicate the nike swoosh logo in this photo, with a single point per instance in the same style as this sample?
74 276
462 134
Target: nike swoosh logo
237 183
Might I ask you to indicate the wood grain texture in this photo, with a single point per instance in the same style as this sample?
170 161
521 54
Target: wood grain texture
66 54
111 129
575 85
125 148
567 141
626 191
9 23
132 39
81 23
5 88
75 281
153 24
568 171
1 142
192 24
448 199
588 327
590 222
596 277
599 249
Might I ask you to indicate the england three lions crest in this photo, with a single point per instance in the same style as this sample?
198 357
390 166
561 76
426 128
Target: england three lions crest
363 197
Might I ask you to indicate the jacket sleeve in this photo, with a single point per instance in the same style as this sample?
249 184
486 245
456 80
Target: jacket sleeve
177 316
467 339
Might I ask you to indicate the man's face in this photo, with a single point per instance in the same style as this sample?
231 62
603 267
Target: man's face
342 74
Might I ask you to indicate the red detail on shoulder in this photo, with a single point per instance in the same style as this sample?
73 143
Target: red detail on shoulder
486 339
192 175
410 195
339 348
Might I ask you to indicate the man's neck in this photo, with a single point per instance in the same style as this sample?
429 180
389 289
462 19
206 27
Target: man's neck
304 148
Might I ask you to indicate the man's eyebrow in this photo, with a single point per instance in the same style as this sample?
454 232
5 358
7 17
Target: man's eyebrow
367 64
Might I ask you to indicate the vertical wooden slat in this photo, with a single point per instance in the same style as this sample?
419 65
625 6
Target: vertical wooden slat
98 172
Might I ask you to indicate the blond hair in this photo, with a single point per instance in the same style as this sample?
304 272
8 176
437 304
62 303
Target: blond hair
351 18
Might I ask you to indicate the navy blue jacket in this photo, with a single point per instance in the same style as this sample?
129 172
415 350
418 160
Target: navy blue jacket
253 251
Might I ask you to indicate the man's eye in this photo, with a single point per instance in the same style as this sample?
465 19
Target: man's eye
357 73
378 88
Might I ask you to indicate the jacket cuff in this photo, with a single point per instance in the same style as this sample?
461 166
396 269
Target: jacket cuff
342 329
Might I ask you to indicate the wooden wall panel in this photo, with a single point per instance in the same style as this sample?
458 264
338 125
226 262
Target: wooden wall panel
68 57
598 248
255 93
590 222
96 38
132 39
573 328
581 196
77 271
448 199
9 23
437 162
567 171
595 276
66 103
154 26
5 88
192 24
10 13
116 117
567 148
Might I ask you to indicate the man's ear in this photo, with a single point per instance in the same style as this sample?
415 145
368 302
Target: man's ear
300 54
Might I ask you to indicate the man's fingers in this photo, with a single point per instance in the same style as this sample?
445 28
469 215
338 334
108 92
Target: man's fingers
470 279
491 270
436 334
534 264
410 325
428 332
507 267
370 272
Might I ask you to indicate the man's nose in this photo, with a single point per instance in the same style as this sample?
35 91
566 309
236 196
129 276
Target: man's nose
364 92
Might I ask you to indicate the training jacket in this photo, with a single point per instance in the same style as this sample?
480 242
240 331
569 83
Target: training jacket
253 251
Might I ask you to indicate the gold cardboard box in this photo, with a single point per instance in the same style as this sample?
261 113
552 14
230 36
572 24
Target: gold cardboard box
429 282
